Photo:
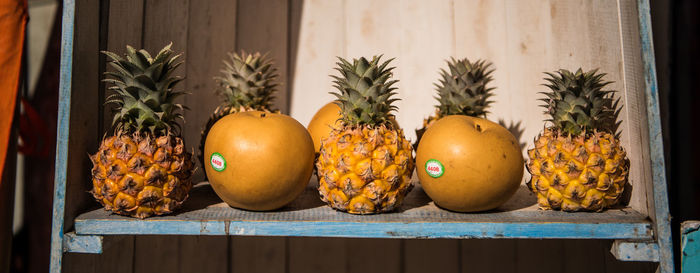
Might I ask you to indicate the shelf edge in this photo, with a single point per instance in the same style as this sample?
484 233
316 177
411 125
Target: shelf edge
550 230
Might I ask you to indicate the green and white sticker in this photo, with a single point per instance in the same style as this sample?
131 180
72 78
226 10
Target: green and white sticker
434 168
217 162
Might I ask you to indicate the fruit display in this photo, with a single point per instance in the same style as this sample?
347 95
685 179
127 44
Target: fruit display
248 83
463 90
577 162
322 122
144 168
258 160
365 165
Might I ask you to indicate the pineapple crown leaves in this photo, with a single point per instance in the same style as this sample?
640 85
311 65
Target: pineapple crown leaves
365 91
464 89
577 103
143 91
248 81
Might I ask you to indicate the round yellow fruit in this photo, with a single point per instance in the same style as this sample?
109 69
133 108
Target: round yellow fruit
257 160
323 122
469 164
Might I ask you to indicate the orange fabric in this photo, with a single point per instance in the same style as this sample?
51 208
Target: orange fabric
13 20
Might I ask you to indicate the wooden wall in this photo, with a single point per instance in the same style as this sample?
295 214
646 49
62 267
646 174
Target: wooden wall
522 38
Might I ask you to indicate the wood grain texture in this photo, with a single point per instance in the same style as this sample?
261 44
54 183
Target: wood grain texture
374 255
125 25
540 255
432 256
164 22
262 26
483 256
203 254
156 253
317 255
205 214
205 54
320 39
258 254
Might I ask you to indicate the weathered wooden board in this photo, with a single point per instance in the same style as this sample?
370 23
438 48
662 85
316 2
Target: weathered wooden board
418 218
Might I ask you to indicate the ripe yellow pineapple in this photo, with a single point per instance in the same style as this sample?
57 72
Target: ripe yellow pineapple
365 165
578 163
248 83
143 169
462 91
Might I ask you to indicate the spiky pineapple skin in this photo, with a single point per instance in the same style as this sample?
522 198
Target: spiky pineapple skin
577 173
364 170
140 175
427 122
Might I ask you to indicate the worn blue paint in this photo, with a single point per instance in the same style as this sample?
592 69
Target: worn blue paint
64 94
690 246
656 149
634 231
635 251
82 243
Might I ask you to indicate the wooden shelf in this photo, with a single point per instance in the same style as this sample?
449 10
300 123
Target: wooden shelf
205 214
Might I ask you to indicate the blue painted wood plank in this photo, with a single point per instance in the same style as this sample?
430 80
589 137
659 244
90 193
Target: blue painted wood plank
64 94
656 150
82 243
690 246
204 214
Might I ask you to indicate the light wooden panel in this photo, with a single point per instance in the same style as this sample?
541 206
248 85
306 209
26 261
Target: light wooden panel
321 38
635 112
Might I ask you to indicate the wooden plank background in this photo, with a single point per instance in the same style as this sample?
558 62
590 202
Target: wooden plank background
522 39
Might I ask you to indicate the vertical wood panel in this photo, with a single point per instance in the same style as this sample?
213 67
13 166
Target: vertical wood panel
488 256
117 255
373 255
164 21
204 55
206 254
124 28
211 34
635 112
540 256
258 254
321 38
439 255
583 256
317 255
156 254
262 26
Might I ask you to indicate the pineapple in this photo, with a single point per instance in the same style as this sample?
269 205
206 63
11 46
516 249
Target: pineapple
248 83
462 91
143 169
577 162
365 164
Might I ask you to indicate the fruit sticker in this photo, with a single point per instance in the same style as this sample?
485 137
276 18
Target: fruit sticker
218 162
434 168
